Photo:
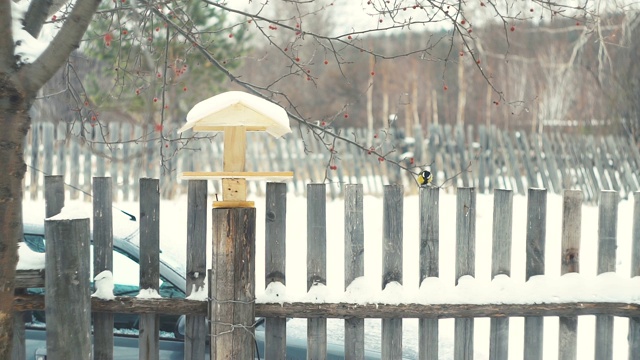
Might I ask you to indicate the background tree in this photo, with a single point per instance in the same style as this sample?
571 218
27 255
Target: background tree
303 57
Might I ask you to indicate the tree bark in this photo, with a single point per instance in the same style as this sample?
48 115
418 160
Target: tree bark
14 121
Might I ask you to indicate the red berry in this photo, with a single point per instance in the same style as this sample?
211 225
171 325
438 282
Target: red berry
297 59
531 10
461 53
158 127
166 145
375 136
158 75
157 29
346 116
230 36
326 62
411 161
513 28
124 32
137 91
445 88
381 159
93 118
155 99
86 103
349 37
373 73
478 61
324 123
463 21
184 88
53 18
166 106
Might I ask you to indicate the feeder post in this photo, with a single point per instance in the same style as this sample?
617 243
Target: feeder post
232 283
235 145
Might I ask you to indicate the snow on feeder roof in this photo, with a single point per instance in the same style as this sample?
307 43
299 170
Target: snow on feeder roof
237 108
235 113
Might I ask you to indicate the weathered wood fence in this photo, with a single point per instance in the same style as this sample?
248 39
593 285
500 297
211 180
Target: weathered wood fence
486 158
392 271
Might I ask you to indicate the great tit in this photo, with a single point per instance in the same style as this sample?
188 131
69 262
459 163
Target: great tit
424 178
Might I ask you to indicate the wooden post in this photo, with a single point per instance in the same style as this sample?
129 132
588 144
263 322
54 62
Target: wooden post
429 266
102 260
607 243
232 283
67 282
465 265
392 246
149 328
501 265
316 264
353 265
634 322
571 230
53 195
196 327
536 230
235 145
275 261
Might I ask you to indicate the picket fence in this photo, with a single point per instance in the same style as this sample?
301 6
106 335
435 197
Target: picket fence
486 158
354 314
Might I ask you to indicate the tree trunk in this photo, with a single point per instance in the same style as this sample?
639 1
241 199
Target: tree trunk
14 121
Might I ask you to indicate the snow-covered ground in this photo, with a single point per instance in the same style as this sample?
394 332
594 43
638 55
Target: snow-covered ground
550 288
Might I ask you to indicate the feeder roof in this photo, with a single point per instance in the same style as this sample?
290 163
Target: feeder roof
237 108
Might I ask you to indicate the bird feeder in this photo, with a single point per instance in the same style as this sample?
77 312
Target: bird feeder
234 113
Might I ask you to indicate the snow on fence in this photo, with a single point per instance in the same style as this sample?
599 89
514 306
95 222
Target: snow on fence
497 304
483 157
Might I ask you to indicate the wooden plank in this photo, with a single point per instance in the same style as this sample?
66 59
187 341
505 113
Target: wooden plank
570 262
34 163
634 322
607 244
196 327
53 195
67 266
275 265
133 305
552 163
47 140
512 160
464 160
429 266
74 175
501 265
217 175
483 161
465 265
149 331
354 264
102 260
232 284
520 141
316 264
538 162
535 247
392 238
61 149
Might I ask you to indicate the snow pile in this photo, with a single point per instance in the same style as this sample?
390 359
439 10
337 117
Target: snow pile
29 259
104 286
27 48
543 289
199 294
72 212
149 294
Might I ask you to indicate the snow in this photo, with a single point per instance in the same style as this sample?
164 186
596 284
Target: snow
29 259
237 108
199 294
27 47
72 212
104 285
148 294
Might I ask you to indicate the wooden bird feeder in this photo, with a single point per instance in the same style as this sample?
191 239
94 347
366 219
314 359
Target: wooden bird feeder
235 113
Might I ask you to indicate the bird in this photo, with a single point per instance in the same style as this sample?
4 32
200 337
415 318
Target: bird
424 178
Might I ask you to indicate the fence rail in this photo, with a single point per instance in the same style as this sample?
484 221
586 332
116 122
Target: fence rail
392 315
486 158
